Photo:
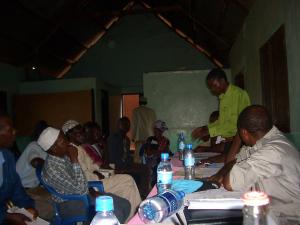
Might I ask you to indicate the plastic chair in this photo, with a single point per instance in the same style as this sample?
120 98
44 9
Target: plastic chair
58 219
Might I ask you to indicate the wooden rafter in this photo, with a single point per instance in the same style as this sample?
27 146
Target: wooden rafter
185 37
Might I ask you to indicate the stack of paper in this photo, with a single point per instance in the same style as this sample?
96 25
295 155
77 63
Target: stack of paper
215 199
201 171
37 221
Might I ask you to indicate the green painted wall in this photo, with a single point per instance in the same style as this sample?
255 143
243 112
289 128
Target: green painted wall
135 45
263 20
10 78
180 98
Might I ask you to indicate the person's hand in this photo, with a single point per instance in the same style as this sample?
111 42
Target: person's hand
99 175
203 162
34 212
200 133
94 193
72 153
106 166
217 178
17 219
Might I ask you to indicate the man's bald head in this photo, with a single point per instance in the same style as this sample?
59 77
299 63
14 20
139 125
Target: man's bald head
255 119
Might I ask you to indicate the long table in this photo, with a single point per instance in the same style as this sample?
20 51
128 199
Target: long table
178 173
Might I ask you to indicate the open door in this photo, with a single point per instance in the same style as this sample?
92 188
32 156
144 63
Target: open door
129 103
274 77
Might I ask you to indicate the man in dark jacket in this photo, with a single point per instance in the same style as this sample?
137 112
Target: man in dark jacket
11 188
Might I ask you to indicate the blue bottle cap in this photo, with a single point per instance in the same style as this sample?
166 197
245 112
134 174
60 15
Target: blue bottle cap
148 211
104 203
189 146
164 156
181 194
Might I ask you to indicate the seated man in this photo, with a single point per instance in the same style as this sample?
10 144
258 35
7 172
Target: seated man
33 156
155 145
62 172
119 155
268 162
95 144
11 188
122 185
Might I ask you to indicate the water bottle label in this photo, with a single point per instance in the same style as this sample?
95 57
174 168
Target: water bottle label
189 161
164 177
181 146
170 200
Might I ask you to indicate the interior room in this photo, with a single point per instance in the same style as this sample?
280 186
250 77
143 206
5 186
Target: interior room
96 60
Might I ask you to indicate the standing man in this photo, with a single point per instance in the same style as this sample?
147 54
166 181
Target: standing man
232 100
142 120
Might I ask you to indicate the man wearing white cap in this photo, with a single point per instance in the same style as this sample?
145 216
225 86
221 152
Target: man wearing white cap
62 172
122 185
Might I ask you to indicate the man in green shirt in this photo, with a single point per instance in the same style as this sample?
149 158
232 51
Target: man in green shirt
232 100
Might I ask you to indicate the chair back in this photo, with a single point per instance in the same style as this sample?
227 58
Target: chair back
58 218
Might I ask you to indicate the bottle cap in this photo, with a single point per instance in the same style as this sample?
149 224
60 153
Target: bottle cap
189 146
256 198
164 156
181 194
148 211
104 203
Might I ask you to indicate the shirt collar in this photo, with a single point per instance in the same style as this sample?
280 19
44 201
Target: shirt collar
57 159
268 135
226 92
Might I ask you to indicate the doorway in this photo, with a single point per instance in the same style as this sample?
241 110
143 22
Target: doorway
105 112
129 103
274 79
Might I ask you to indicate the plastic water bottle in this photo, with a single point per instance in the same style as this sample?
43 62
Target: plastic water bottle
255 208
164 173
157 208
180 145
189 163
105 212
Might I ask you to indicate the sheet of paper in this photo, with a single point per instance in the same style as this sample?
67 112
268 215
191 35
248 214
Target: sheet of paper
38 221
205 155
214 199
201 171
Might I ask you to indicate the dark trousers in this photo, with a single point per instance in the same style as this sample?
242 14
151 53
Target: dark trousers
75 208
142 176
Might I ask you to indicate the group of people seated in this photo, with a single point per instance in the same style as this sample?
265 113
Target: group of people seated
70 157
256 156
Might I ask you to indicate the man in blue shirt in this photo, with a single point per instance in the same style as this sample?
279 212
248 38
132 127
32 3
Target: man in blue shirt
11 189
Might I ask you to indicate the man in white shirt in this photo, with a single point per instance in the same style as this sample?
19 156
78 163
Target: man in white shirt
143 118
24 165
268 162
32 156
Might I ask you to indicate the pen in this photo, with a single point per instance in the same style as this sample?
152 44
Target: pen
9 205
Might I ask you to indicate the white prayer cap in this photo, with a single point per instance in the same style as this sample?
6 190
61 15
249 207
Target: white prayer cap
48 137
70 124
